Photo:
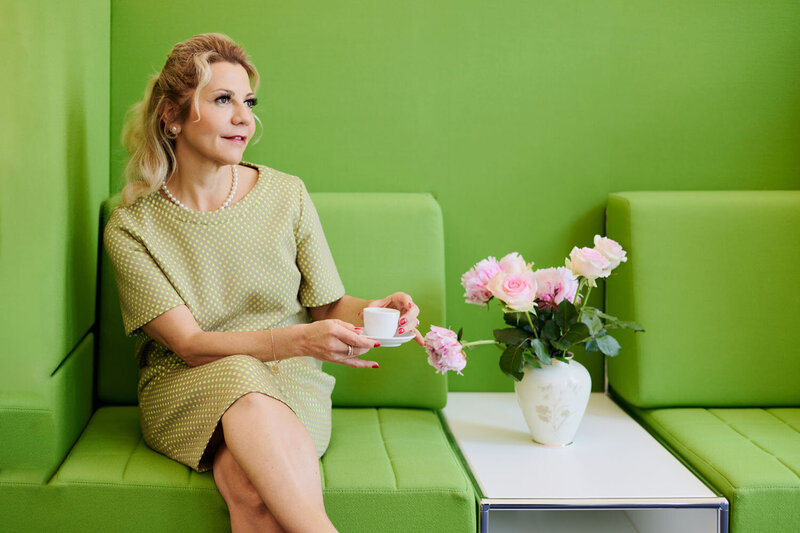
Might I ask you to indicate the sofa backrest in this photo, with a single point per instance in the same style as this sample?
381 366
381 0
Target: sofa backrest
382 243
712 277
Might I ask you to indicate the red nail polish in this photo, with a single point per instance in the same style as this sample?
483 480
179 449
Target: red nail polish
377 345
401 331
410 304
375 366
402 321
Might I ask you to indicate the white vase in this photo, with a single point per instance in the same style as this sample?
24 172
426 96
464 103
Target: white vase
553 400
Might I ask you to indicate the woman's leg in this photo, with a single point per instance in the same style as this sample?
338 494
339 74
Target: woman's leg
278 456
247 510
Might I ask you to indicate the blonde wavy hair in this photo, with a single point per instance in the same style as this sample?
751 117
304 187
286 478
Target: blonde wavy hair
145 134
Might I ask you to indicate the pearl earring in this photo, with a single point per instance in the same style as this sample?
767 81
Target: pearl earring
175 130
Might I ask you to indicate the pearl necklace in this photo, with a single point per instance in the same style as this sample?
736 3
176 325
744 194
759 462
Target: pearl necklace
227 202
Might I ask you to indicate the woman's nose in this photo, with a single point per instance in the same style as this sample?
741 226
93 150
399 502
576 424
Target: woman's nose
242 115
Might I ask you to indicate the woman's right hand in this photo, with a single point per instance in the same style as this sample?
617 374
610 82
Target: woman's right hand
329 340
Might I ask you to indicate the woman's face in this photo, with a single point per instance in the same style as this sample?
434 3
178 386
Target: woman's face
226 121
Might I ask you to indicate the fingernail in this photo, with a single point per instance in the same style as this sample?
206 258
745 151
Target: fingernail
358 329
410 304
377 345
400 331
375 366
402 321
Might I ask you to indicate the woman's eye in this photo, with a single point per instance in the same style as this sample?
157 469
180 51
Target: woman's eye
223 99
251 102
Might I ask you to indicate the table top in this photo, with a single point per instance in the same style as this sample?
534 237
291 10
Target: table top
612 457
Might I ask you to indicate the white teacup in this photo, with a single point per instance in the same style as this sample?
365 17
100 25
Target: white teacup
380 322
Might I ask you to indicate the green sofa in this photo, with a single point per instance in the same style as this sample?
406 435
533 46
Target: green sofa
713 278
73 457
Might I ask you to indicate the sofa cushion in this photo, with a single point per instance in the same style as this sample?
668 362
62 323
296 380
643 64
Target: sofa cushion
711 277
751 455
385 470
39 426
375 256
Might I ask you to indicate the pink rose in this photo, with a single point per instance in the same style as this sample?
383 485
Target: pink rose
589 263
475 280
444 351
517 291
611 250
554 285
513 263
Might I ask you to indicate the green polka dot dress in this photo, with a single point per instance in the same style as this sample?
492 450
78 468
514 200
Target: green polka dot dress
257 264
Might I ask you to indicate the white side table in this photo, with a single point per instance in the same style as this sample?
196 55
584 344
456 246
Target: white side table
615 477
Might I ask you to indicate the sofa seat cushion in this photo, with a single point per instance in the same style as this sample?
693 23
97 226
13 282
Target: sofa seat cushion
385 469
751 455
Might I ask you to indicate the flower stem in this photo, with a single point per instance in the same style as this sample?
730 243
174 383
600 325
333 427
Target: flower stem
476 343
578 291
528 316
584 302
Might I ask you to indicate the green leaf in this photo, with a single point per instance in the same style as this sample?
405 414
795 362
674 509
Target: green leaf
560 346
603 315
531 359
635 326
550 331
566 314
540 349
576 334
511 336
517 320
608 345
528 358
512 319
593 322
460 332
512 362
591 346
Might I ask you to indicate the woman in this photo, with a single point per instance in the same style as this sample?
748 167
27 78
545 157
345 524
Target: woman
220 265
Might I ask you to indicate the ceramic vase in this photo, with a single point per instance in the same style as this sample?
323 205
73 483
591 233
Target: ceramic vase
553 400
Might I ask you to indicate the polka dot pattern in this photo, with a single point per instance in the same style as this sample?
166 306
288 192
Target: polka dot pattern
257 264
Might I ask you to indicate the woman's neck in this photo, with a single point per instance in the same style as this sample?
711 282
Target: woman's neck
200 184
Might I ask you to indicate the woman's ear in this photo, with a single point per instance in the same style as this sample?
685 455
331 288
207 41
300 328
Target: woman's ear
168 112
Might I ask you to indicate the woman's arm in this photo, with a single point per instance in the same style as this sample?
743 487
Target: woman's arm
207 346
327 340
347 308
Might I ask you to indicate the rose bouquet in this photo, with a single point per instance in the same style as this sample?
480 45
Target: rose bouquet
545 310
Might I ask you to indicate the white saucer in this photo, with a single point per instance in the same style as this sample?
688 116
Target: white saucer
391 342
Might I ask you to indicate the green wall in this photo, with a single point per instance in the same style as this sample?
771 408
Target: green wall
519 117
54 160
520 120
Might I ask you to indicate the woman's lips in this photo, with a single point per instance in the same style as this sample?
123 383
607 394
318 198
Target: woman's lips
238 139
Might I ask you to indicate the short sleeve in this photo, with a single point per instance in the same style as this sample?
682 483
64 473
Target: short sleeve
143 288
320 283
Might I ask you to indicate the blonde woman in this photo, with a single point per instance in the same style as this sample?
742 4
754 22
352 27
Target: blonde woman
225 277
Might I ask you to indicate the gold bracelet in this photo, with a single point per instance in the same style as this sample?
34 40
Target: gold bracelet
274 366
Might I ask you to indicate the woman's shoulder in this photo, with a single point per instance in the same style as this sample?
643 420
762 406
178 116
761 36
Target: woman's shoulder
288 187
129 220
282 181
127 215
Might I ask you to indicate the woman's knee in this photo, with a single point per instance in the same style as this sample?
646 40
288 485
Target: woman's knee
281 426
258 403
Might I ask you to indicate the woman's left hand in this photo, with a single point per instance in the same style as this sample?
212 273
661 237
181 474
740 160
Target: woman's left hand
408 313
